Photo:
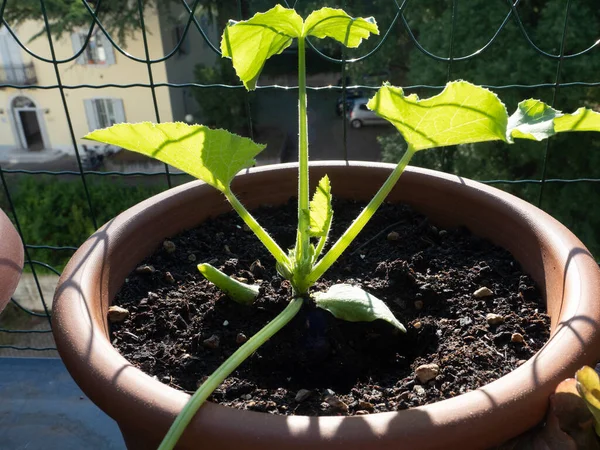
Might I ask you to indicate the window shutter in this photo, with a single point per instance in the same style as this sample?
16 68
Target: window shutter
118 109
90 113
109 51
78 41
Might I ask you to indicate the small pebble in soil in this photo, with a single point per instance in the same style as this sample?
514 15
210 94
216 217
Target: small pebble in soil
226 323
191 257
240 338
145 269
257 269
427 372
419 390
393 236
212 342
169 246
117 314
169 278
418 304
443 233
483 292
336 403
361 413
464 321
367 406
417 325
517 338
302 395
494 319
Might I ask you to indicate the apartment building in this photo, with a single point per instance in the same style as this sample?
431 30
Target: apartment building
34 120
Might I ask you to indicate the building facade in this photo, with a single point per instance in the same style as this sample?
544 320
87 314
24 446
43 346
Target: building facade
35 119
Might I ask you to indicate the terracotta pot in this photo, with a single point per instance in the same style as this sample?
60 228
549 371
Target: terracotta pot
144 408
11 259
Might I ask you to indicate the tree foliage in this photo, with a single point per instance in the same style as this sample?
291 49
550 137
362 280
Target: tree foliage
511 60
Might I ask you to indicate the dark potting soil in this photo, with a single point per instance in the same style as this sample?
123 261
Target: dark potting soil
181 328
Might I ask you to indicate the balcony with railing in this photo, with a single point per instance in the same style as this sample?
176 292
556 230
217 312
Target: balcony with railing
18 74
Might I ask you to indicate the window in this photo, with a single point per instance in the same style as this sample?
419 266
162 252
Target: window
104 112
97 50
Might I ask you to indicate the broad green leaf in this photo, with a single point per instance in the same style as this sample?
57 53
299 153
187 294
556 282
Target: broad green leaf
236 290
533 120
336 24
588 385
583 119
351 303
251 42
321 212
213 156
462 113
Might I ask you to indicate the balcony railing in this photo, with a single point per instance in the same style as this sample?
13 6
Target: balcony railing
18 74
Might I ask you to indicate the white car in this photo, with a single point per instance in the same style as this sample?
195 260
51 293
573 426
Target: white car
360 115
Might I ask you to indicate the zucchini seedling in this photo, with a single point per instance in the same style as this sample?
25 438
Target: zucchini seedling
461 113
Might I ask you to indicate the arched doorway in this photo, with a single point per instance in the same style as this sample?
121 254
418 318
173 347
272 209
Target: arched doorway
28 123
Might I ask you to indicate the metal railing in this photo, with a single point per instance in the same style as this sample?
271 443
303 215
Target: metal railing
398 24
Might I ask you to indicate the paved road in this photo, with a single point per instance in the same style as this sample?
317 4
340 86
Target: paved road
277 115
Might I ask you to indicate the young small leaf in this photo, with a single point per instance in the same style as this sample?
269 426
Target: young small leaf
533 120
588 385
213 156
336 24
251 42
462 113
351 303
236 290
321 212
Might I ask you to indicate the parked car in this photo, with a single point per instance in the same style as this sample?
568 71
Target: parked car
351 96
359 115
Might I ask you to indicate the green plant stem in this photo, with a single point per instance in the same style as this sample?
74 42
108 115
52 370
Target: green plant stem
264 237
346 239
219 375
303 177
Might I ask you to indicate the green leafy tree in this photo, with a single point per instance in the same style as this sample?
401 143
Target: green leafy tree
511 60
219 106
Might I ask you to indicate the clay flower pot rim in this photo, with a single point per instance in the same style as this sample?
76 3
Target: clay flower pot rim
11 259
560 264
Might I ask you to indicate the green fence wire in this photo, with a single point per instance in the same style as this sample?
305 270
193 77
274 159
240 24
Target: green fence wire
400 21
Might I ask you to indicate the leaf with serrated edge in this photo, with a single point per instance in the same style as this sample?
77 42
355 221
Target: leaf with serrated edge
583 119
321 212
338 25
533 120
588 385
351 303
462 113
213 156
251 42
